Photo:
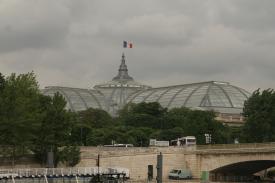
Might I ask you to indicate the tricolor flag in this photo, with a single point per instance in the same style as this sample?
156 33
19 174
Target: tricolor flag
127 44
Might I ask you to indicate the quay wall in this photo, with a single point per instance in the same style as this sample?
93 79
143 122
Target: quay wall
199 159
138 159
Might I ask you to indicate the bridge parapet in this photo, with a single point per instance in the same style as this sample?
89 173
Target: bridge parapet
92 152
237 146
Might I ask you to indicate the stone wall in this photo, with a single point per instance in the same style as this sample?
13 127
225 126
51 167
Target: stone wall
138 159
196 159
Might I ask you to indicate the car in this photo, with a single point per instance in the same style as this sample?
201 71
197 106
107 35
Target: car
180 174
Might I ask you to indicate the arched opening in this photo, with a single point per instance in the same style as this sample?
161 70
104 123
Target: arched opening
241 171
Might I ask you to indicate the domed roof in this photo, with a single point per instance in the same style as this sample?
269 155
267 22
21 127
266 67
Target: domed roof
122 89
122 79
213 95
119 88
78 99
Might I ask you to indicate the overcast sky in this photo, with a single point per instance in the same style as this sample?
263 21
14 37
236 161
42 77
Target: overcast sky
78 43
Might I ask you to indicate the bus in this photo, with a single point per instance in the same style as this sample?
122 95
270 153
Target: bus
184 141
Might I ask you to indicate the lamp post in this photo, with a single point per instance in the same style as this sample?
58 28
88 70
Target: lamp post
159 167
98 167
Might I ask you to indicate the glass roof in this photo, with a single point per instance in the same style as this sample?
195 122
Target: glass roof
78 99
122 89
206 95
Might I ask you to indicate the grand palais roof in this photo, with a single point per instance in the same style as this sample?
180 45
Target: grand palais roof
111 96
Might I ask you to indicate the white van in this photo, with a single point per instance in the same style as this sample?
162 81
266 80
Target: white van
180 174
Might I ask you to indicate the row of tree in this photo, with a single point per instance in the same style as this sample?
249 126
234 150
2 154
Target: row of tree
31 123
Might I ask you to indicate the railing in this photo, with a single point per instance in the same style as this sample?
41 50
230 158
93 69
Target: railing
60 172
237 146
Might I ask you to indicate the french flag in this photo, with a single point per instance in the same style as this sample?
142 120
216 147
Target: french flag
127 44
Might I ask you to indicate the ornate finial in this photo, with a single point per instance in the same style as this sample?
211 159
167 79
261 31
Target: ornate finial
123 71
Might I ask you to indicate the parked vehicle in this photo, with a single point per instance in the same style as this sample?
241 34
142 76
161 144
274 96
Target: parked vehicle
180 174
184 141
157 143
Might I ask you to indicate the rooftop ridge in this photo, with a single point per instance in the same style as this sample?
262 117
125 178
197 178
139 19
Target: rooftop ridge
188 84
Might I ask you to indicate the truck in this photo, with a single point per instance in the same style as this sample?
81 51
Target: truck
180 174
157 143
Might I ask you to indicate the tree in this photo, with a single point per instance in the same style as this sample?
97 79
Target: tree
54 132
19 109
88 120
259 111
32 121
139 136
2 82
143 115
197 123
170 134
95 118
172 124
70 155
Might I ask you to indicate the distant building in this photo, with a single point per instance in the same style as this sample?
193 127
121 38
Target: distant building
222 97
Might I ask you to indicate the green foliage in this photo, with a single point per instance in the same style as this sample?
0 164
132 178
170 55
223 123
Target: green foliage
99 137
143 115
171 134
30 120
19 108
139 136
87 121
259 111
55 128
19 103
95 118
168 125
70 155
197 123
103 136
2 82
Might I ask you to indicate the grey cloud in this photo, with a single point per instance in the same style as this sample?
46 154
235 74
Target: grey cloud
154 29
78 43
251 15
32 24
